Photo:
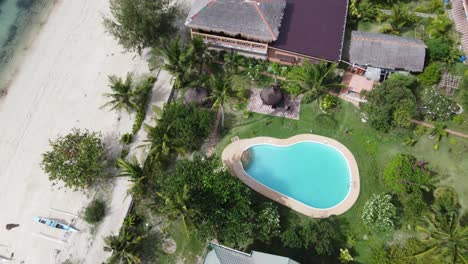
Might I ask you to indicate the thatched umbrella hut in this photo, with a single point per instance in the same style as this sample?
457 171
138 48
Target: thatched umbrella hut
272 95
196 95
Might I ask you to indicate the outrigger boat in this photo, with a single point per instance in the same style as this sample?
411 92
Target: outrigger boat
54 224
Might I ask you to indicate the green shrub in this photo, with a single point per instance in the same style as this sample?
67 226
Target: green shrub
329 102
379 213
139 119
435 105
458 119
438 49
431 74
126 138
95 212
420 130
403 176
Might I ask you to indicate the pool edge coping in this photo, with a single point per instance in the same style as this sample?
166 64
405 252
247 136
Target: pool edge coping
231 158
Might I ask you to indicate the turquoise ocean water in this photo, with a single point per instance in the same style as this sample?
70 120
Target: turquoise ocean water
311 173
20 20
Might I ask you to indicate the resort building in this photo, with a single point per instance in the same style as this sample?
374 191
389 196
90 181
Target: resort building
376 55
285 31
218 254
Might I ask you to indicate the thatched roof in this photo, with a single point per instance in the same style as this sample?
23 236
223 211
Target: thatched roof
271 95
196 95
387 51
257 20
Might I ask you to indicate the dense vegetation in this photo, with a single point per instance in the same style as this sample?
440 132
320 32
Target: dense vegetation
77 159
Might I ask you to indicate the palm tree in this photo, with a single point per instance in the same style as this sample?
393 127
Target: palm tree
163 143
232 62
131 168
123 247
313 80
439 131
176 207
223 87
177 61
198 54
445 238
122 95
399 17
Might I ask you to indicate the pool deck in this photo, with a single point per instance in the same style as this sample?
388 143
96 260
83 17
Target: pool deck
232 155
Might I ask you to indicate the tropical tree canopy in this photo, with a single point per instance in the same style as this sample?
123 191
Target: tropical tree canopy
138 24
180 128
76 159
312 80
444 235
402 175
379 212
122 95
393 95
213 203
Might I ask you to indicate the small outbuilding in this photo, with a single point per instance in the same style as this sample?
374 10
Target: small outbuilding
196 95
272 95
387 52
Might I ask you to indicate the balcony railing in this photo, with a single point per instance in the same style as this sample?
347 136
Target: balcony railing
232 43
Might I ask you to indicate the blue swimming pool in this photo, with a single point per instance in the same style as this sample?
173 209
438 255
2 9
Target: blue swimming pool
312 173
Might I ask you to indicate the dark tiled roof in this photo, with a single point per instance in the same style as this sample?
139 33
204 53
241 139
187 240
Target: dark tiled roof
314 28
387 51
252 19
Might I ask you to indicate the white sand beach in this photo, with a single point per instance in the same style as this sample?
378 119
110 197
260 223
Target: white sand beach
59 86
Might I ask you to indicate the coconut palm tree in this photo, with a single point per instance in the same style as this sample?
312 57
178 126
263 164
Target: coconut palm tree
175 207
163 143
131 168
224 87
122 95
445 237
177 61
399 18
123 247
439 131
198 54
232 62
313 80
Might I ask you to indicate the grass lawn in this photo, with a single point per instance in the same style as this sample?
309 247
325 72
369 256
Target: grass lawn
188 248
371 149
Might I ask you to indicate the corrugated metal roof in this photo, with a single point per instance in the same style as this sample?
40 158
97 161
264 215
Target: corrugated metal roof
387 51
219 254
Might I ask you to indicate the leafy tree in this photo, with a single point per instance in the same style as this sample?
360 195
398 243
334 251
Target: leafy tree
393 95
138 24
431 74
379 212
439 26
443 234
435 105
199 54
312 80
403 176
438 49
319 235
76 159
267 223
221 203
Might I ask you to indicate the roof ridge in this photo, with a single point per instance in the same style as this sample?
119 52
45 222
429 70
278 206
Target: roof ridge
395 42
260 12
201 9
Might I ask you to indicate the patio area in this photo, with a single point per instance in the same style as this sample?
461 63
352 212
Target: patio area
354 86
289 108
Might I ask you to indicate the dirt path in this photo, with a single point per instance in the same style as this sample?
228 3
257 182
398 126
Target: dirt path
451 132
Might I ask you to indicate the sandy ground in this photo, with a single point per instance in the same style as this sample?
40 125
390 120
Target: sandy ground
59 86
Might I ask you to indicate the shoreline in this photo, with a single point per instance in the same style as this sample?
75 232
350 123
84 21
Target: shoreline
16 49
